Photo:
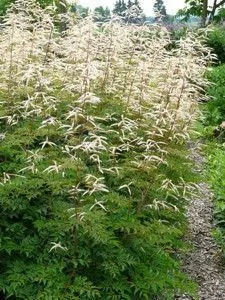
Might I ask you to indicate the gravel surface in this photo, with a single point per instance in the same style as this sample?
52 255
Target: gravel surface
204 263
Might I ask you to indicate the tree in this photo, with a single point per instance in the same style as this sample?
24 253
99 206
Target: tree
137 4
101 14
134 3
131 11
203 9
120 8
160 11
134 13
129 4
80 10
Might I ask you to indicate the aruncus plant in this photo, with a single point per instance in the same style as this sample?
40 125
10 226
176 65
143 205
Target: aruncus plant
94 179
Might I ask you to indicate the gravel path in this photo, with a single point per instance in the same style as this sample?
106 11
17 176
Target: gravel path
204 263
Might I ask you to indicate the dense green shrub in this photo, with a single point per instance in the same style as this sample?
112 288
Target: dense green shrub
215 106
213 132
216 41
94 178
216 175
104 245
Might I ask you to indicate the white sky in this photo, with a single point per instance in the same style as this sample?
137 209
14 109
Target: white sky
171 5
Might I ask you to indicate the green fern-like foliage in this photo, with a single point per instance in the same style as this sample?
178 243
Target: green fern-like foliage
111 250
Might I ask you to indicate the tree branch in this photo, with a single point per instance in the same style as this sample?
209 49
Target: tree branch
212 12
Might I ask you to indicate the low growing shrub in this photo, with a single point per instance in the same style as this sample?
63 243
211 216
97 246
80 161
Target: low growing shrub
216 175
215 107
216 41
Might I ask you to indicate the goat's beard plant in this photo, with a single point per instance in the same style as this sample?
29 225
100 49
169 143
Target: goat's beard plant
94 179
